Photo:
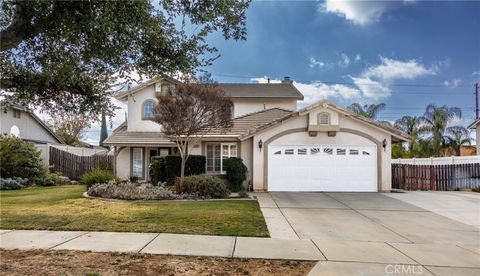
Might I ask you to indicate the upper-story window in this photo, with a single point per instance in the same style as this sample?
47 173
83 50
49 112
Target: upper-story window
323 118
148 110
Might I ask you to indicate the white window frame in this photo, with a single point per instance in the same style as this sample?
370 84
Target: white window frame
142 156
222 171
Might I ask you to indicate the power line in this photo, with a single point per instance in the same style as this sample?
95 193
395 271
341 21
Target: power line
343 83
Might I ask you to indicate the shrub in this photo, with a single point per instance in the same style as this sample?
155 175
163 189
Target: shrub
203 186
477 190
133 179
97 176
21 159
12 183
243 193
52 179
134 191
195 165
236 172
157 170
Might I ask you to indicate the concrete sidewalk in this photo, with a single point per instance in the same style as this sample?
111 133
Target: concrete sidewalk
335 257
156 243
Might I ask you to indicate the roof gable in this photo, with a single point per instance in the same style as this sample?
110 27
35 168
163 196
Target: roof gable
324 104
13 105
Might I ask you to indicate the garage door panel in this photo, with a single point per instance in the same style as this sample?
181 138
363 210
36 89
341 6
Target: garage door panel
322 168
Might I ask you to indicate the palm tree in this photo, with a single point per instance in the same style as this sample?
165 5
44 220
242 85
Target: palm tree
411 126
368 111
435 120
457 137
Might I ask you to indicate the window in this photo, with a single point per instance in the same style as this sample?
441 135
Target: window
148 110
302 151
314 151
137 162
288 151
216 153
278 152
353 152
323 118
328 151
341 151
365 153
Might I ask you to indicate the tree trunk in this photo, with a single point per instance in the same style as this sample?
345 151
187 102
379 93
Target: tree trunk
182 169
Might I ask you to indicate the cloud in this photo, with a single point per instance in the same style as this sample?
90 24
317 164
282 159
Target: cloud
265 79
358 58
359 12
312 62
371 89
316 91
391 69
453 83
344 60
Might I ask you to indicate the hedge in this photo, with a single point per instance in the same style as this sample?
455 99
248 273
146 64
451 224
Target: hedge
157 170
166 168
236 172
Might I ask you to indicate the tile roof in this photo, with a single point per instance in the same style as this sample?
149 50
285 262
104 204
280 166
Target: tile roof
235 90
261 90
241 126
244 124
135 138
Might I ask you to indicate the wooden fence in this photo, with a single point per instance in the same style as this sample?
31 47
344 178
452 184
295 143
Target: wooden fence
74 166
436 177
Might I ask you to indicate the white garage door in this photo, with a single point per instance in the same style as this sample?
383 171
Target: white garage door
322 168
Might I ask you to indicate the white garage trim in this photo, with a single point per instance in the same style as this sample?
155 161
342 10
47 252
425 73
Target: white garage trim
346 130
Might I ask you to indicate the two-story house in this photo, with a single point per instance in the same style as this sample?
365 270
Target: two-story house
319 148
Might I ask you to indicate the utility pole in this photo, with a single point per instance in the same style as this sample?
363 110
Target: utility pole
476 100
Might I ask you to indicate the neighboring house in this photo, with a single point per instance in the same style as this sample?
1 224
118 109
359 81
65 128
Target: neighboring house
17 120
476 125
320 148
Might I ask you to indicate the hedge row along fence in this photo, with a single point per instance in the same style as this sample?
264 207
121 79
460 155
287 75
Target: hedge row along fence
436 177
74 166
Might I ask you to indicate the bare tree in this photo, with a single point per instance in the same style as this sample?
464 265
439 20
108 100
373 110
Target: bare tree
71 128
189 111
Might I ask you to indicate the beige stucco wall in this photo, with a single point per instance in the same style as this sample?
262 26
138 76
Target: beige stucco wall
246 155
246 106
28 126
303 138
478 139
135 101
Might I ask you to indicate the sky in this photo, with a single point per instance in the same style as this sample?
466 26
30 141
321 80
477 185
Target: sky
406 54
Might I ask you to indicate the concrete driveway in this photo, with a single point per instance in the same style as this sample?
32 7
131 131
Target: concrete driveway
369 231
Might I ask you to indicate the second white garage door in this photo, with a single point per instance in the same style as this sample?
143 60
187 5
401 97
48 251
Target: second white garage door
322 168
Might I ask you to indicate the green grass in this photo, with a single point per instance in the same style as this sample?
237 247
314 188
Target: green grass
63 208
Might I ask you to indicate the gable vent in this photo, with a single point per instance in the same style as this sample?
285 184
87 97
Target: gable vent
323 118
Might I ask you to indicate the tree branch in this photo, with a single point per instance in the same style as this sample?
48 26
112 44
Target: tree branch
19 29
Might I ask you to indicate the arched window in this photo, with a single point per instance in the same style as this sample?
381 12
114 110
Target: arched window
148 109
323 118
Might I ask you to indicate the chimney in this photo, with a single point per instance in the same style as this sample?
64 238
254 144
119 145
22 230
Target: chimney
287 79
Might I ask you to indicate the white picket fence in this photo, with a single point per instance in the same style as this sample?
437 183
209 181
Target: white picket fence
439 160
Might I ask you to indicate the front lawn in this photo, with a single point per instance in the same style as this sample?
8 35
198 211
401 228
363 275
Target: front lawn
63 208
